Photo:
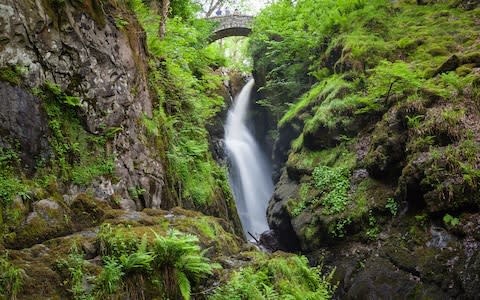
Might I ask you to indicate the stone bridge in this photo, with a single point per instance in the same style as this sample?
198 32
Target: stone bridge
232 25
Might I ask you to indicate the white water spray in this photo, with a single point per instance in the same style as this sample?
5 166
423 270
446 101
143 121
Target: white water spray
250 171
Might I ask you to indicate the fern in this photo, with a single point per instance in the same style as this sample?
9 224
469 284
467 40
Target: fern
136 262
180 255
184 285
277 277
109 280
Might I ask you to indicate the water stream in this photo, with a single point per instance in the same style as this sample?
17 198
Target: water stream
250 171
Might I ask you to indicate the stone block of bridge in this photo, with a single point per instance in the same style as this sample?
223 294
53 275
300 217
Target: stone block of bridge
231 25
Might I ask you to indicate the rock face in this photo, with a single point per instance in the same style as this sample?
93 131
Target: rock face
81 49
77 47
278 216
21 117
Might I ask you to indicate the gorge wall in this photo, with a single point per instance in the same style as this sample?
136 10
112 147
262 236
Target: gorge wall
80 49
376 144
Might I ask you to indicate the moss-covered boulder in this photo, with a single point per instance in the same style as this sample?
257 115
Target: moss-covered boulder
387 147
48 219
445 178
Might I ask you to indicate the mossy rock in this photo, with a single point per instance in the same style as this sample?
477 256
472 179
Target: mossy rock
130 218
457 60
386 154
49 219
314 228
86 212
10 74
212 232
43 279
303 162
443 179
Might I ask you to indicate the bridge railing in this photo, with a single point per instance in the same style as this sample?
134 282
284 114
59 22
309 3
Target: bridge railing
229 16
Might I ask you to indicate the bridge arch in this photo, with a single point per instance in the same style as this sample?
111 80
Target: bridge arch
231 25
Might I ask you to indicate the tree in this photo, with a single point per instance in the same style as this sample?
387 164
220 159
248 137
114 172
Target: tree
164 15
210 6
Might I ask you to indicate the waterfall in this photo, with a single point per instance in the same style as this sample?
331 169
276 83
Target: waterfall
250 171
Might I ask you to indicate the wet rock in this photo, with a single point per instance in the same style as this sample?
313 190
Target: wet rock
287 132
278 217
22 120
387 148
428 180
470 276
381 280
269 241
440 238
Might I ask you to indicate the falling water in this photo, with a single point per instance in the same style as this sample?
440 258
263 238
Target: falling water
250 171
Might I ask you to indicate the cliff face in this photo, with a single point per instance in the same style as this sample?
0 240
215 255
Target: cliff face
80 48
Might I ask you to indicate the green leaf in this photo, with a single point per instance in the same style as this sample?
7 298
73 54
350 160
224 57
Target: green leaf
184 285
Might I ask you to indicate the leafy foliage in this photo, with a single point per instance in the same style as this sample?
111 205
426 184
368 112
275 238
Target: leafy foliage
334 185
278 277
75 267
180 256
174 262
392 206
12 74
79 156
109 280
11 278
181 76
334 69
450 220
10 185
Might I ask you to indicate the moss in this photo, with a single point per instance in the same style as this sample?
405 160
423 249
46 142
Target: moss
304 161
371 194
307 196
79 156
210 233
445 177
464 70
11 74
11 278
471 58
38 229
86 212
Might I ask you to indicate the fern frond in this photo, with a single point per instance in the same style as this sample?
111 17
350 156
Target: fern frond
184 285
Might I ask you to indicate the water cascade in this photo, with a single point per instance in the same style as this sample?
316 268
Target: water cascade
250 171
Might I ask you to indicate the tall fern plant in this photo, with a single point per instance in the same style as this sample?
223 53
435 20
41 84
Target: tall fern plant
180 262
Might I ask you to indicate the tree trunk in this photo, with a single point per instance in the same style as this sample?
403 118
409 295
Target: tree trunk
163 22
